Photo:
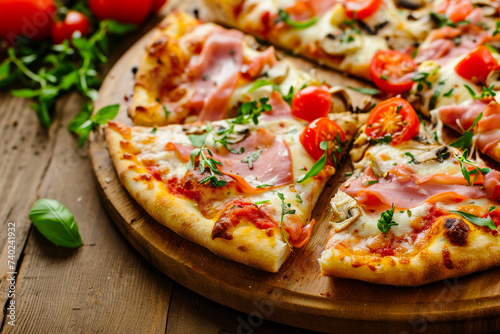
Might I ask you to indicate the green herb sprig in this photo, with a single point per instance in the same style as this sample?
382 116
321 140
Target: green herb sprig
285 17
476 220
385 222
285 210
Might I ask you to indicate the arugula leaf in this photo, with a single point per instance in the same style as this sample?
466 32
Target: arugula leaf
198 140
262 202
486 92
384 140
465 141
250 111
365 90
262 83
492 208
465 171
319 165
251 158
435 95
265 185
285 211
385 222
285 17
289 96
56 223
476 220
449 93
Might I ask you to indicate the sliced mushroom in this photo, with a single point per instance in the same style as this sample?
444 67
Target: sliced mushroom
341 101
365 106
359 147
343 44
345 211
487 7
238 134
494 79
438 154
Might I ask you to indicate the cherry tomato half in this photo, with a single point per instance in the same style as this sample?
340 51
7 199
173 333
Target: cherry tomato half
477 65
395 117
74 21
312 102
361 9
391 71
30 18
124 11
455 10
322 129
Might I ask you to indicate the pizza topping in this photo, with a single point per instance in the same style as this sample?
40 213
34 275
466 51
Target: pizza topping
392 71
471 169
361 9
238 211
441 45
476 220
323 130
285 17
406 190
345 43
256 65
285 210
385 222
311 103
477 65
492 185
394 117
456 231
215 73
455 10
273 166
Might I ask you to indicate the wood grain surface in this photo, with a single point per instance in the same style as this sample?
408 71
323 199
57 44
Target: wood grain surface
296 295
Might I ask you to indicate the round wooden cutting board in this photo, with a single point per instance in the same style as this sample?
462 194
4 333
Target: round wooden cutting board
296 295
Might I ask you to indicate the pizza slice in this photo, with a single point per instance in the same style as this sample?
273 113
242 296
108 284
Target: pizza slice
414 211
193 71
343 35
244 188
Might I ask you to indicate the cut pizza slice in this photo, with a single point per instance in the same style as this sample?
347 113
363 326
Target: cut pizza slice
461 95
244 188
193 71
414 211
343 35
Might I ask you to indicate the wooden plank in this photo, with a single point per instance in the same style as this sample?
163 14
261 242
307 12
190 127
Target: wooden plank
26 149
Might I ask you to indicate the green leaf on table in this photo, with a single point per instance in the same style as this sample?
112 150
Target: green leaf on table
56 223
25 93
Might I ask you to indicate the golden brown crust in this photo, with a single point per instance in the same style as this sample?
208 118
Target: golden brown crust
438 261
250 245
162 62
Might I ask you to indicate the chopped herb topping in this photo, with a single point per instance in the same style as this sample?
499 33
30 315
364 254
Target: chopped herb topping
285 210
154 130
486 92
265 185
385 222
299 199
465 171
412 158
250 111
370 182
251 158
365 90
262 202
465 141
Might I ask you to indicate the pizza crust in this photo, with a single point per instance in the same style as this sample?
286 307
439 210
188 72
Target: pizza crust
250 245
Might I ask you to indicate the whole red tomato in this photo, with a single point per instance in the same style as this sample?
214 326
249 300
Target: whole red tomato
30 18
74 21
124 11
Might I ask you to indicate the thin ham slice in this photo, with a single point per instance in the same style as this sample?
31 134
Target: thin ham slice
215 73
272 167
403 188
492 185
440 44
279 106
488 128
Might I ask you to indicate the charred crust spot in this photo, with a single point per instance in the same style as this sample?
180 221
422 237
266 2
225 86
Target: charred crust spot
456 231
220 229
269 232
243 248
448 263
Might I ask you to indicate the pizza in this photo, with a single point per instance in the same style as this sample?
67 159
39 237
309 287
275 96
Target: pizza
414 211
243 165
231 146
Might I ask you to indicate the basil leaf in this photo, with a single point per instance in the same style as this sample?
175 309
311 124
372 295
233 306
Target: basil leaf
315 169
26 93
476 220
365 90
56 223
105 114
